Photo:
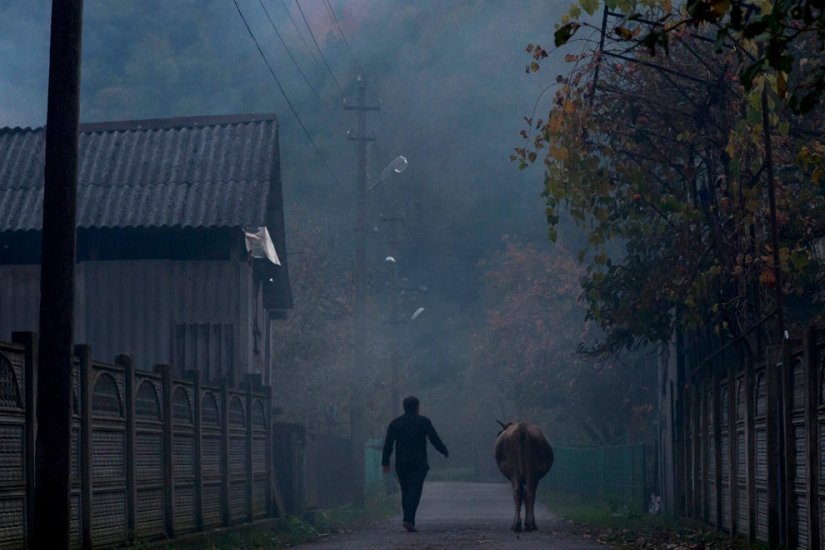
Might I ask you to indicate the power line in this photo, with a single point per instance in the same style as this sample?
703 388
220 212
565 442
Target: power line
324 59
274 28
283 93
341 32
297 30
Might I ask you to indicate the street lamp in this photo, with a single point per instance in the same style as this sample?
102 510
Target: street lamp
398 165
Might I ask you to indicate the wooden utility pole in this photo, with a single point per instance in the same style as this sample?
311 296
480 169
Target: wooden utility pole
357 401
54 385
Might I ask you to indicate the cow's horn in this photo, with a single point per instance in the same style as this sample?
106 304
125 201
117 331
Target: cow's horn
500 423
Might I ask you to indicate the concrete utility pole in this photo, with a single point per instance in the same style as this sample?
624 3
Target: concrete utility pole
54 384
395 322
358 426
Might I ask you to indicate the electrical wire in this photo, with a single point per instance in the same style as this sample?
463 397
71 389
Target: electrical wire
283 93
297 30
341 32
324 59
294 62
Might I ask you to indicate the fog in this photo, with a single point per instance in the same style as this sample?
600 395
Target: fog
501 321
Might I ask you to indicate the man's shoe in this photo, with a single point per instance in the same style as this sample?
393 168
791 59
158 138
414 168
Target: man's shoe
410 527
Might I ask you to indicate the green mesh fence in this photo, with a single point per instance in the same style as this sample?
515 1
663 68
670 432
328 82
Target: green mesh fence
613 475
373 477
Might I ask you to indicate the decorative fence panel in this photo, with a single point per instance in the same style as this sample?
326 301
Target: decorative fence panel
710 454
760 422
798 451
742 442
149 453
239 490
768 474
212 457
261 460
109 506
725 461
13 452
151 456
185 458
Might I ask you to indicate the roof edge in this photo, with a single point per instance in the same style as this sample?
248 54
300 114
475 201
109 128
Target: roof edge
175 122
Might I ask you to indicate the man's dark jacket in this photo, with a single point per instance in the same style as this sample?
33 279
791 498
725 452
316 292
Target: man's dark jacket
409 433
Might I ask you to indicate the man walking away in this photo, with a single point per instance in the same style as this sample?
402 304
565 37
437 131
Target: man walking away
409 432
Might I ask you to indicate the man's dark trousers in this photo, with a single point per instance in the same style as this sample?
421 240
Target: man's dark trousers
412 483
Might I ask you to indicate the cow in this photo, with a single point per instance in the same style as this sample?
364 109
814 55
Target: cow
524 456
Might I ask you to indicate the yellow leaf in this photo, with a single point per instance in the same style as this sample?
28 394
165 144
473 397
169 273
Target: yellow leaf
569 107
781 84
624 33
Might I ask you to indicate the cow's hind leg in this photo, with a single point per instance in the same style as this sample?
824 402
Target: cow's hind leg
529 505
518 496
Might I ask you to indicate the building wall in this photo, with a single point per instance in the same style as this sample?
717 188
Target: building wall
131 305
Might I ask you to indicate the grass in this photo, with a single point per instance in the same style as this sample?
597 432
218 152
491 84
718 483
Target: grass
631 529
274 534
377 507
280 533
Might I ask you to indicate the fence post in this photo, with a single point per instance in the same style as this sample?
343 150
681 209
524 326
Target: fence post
194 376
125 360
225 511
86 378
29 341
168 448
812 387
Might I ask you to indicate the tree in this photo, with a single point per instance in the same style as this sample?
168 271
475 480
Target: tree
786 36
662 162
525 352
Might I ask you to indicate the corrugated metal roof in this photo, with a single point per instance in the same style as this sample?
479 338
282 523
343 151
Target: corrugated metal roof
185 172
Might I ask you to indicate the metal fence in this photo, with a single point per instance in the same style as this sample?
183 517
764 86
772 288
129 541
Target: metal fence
614 475
152 456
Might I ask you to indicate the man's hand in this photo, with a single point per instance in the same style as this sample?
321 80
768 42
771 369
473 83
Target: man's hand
386 468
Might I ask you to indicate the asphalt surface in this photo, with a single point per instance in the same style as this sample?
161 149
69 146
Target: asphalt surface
461 515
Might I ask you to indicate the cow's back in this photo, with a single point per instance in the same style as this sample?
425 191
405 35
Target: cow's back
521 451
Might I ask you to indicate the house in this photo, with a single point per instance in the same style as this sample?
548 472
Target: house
181 252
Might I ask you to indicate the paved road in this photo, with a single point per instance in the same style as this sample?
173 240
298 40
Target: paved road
460 515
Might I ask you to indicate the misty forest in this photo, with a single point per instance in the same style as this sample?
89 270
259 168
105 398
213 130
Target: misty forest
609 215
